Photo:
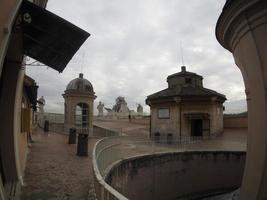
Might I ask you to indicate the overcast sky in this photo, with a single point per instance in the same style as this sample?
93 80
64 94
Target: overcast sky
135 44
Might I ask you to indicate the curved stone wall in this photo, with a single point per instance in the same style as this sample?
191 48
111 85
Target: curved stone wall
177 175
242 29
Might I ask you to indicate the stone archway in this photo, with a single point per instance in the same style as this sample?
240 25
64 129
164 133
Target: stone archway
82 117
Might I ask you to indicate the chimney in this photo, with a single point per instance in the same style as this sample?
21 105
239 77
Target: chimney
183 68
80 75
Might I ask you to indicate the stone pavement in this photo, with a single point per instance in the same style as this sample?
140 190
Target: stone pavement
230 140
54 172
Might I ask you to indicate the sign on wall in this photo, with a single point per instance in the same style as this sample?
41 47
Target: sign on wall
163 113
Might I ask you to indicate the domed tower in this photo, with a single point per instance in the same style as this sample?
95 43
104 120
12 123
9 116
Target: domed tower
79 102
186 108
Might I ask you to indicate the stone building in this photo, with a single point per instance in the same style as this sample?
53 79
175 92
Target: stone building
79 102
186 108
27 29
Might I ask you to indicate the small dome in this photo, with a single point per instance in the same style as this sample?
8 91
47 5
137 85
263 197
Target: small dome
80 85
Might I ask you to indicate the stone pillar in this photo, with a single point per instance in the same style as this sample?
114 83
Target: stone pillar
242 29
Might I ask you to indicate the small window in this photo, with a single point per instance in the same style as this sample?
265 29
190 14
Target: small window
163 113
188 80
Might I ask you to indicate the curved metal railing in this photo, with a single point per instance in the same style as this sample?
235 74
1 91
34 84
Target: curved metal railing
111 150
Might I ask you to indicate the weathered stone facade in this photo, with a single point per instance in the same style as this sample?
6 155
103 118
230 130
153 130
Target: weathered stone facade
79 92
186 108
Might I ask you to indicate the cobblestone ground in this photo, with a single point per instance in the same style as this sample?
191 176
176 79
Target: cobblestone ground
54 172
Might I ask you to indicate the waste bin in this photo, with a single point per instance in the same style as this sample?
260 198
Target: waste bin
72 136
82 147
46 126
169 138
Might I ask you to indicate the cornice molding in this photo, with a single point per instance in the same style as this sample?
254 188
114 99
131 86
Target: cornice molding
237 19
79 95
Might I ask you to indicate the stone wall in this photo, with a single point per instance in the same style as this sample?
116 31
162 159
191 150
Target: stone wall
103 132
97 131
177 110
142 121
177 175
235 121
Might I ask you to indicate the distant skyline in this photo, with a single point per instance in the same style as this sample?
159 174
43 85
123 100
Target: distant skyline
135 44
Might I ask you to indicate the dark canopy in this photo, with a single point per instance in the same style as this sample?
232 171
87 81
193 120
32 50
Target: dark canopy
49 38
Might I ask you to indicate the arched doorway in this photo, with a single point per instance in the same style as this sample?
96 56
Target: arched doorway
79 103
82 117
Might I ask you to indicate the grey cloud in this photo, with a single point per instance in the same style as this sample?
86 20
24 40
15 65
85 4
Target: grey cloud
135 45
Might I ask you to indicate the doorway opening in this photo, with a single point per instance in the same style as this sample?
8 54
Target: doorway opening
82 116
197 127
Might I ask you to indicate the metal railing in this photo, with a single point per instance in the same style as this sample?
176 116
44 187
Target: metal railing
56 124
111 150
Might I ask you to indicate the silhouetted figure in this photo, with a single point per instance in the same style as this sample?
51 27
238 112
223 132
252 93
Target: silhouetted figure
46 126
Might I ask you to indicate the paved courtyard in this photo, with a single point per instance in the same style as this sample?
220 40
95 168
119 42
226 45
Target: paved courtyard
54 171
231 139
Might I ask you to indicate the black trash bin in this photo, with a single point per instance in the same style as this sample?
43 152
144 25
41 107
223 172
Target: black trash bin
169 138
82 147
72 136
46 126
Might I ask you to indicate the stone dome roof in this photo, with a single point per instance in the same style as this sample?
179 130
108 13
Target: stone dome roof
80 85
